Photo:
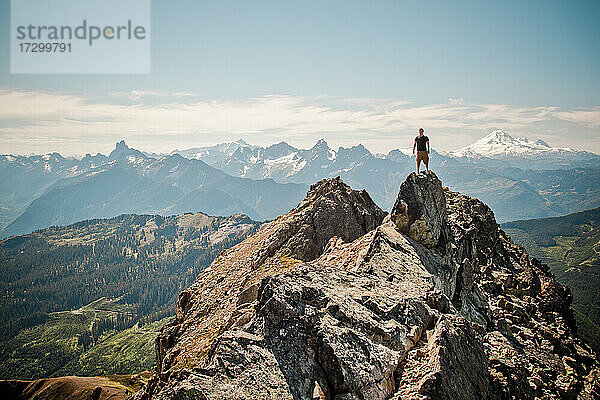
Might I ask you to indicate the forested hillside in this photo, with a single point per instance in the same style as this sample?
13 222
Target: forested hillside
68 290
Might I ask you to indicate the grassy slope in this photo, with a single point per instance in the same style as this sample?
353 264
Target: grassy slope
118 353
55 348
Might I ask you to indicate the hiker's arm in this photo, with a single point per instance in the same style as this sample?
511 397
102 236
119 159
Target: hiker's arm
428 147
414 145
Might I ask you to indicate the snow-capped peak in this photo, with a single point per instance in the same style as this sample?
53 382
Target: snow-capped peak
501 144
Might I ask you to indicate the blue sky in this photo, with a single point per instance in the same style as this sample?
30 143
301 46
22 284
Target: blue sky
348 71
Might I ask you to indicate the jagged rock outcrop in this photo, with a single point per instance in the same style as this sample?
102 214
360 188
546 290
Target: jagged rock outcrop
420 210
331 208
435 302
224 295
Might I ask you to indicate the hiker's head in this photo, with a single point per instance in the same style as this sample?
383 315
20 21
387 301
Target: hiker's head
421 131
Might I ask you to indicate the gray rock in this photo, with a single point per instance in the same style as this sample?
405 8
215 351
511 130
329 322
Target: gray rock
331 208
420 209
453 364
435 302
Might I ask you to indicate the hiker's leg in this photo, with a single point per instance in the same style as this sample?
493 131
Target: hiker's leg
426 161
418 163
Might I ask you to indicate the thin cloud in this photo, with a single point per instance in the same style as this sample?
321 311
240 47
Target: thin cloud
160 121
589 117
137 95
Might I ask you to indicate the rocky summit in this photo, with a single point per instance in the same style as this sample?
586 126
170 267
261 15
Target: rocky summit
336 300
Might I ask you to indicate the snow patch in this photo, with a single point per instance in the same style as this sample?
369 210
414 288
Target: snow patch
291 163
135 160
406 151
332 155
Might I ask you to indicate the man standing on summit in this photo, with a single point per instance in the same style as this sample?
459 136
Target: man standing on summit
422 145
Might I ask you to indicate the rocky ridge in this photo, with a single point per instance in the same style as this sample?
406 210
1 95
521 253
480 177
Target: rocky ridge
334 301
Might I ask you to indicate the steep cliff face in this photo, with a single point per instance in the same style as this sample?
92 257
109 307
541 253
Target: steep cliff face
334 301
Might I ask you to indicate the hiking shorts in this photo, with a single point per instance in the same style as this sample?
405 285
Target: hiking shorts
422 156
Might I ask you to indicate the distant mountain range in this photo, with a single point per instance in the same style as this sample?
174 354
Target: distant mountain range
519 178
570 245
286 163
59 191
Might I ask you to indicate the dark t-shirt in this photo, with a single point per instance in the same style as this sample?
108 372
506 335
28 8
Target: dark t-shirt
422 143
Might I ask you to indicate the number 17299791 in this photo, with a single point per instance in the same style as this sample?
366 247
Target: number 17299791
49 47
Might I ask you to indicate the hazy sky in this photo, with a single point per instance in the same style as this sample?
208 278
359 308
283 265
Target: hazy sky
347 71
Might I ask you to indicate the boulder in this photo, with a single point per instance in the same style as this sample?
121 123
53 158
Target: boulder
420 209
